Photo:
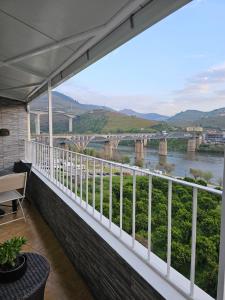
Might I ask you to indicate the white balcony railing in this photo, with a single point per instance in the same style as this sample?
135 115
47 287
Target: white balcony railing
94 182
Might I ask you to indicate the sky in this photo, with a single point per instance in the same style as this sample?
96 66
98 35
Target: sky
175 65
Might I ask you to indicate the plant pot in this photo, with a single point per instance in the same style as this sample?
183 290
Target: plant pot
16 272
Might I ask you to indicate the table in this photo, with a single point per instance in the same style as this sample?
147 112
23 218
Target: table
32 284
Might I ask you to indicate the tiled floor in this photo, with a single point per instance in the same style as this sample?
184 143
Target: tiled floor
64 283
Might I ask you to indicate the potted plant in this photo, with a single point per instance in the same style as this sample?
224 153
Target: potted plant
12 263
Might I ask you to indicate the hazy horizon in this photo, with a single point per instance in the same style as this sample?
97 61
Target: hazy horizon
173 66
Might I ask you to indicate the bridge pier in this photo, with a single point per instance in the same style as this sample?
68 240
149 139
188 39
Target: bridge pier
199 140
163 147
109 147
139 152
191 146
70 124
145 142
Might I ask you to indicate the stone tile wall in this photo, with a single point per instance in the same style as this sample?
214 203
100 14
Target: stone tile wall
14 118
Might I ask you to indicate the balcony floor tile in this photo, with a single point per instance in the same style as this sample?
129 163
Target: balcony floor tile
64 283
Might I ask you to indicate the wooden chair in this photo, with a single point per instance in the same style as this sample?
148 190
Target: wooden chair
10 189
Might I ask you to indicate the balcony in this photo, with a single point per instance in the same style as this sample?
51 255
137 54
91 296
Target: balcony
105 220
41 240
96 190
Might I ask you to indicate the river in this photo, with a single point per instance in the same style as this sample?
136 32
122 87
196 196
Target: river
181 161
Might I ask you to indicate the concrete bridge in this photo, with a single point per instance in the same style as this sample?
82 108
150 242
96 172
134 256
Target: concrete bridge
39 113
111 141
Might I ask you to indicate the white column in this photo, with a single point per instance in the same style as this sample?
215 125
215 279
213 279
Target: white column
221 274
50 128
27 143
28 123
37 124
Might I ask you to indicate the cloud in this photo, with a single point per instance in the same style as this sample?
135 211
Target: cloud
203 91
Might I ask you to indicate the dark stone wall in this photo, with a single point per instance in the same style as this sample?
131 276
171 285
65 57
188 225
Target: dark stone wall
14 118
107 274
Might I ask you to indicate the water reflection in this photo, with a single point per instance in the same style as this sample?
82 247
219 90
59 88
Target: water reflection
181 161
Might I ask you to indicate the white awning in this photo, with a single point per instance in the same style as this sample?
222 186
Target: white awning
51 40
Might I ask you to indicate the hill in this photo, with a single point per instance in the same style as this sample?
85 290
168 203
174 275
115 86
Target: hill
111 122
89 118
97 121
61 102
148 116
211 119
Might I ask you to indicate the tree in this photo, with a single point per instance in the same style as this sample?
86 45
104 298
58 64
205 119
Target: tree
207 175
196 173
220 181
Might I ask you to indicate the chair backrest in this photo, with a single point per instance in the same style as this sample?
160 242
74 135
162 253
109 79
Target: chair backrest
13 182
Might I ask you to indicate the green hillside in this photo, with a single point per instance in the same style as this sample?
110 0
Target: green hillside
97 121
211 119
111 122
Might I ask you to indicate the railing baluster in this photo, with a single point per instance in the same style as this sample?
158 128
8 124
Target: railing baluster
67 169
63 166
193 240
110 197
71 171
60 166
53 163
87 182
81 179
75 177
149 216
93 188
169 227
57 166
101 191
134 209
48 165
121 201
41 146
45 159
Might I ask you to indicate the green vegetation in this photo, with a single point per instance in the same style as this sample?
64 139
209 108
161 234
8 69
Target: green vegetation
163 126
97 121
199 174
9 251
90 123
101 154
100 121
211 148
212 119
208 221
119 123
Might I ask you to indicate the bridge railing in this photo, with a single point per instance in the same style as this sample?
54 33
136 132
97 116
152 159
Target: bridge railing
137 201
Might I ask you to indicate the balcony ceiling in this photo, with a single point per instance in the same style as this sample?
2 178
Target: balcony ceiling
51 40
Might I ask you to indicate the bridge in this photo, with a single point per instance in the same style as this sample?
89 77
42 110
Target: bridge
111 141
39 113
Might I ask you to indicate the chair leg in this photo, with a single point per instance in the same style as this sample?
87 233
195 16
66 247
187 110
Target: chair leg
22 209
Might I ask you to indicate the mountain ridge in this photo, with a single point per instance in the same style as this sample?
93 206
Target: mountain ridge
146 116
210 119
